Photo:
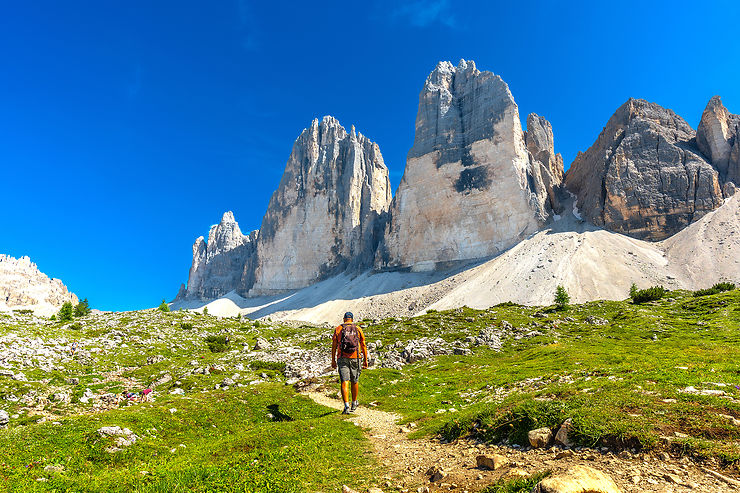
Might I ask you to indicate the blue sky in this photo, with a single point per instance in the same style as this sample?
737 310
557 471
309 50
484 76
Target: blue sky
128 128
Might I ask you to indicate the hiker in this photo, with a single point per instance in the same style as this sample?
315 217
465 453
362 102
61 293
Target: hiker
145 395
346 344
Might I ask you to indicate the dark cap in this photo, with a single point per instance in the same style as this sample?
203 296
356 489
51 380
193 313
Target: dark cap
348 315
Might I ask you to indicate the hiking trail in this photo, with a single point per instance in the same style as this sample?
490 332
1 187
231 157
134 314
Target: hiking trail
407 461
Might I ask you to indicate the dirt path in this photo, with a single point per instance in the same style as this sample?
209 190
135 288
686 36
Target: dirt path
408 461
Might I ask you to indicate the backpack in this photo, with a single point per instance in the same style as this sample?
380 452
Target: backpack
349 338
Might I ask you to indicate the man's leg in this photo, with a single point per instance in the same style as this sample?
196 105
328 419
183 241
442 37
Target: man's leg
355 385
345 392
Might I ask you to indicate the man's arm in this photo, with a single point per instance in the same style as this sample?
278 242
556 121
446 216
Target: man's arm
363 346
334 350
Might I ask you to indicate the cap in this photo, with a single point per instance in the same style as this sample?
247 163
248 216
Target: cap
348 315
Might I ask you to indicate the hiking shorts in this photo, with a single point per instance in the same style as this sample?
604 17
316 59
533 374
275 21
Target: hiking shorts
349 369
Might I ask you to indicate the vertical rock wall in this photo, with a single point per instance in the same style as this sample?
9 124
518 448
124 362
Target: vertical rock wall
328 211
470 188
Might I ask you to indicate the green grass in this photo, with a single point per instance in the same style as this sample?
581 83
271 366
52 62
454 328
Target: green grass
258 439
622 385
616 382
519 485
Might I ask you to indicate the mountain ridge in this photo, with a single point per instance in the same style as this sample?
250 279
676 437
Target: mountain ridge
649 176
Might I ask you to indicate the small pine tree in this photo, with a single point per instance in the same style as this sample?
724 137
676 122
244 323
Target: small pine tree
66 313
163 307
562 298
633 290
205 310
82 308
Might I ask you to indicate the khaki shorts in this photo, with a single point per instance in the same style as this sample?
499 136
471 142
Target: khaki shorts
349 369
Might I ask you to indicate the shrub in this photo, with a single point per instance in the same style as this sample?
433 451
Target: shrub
217 344
163 307
267 365
82 308
716 289
517 485
649 294
186 326
66 312
562 298
76 326
506 303
23 311
205 310
633 290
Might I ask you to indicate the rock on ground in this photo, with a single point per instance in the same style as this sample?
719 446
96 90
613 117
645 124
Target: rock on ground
579 479
541 437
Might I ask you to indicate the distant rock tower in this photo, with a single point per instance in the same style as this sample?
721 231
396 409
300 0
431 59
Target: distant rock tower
327 214
218 265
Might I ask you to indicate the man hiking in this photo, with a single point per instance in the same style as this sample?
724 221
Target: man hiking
346 344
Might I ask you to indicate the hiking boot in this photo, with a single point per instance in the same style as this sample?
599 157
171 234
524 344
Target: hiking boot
354 407
346 410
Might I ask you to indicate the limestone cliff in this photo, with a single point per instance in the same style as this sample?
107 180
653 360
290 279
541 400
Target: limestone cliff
470 188
326 215
717 138
218 264
24 286
644 176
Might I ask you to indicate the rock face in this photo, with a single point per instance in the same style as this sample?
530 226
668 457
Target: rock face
644 176
471 188
218 265
717 138
546 166
328 212
23 285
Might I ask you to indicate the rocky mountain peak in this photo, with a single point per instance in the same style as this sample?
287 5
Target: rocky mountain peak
470 188
218 264
24 286
644 176
327 212
224 236
717 138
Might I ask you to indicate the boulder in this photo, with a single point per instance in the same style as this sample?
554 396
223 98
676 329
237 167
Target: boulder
562 437
436 473
470 188
262 344
577 479
492 462
327 214
644 176
541 437
4 418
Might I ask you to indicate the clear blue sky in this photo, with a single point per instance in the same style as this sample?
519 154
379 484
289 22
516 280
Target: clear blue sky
128 128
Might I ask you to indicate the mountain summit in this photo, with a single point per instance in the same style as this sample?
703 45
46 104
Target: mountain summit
471 187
